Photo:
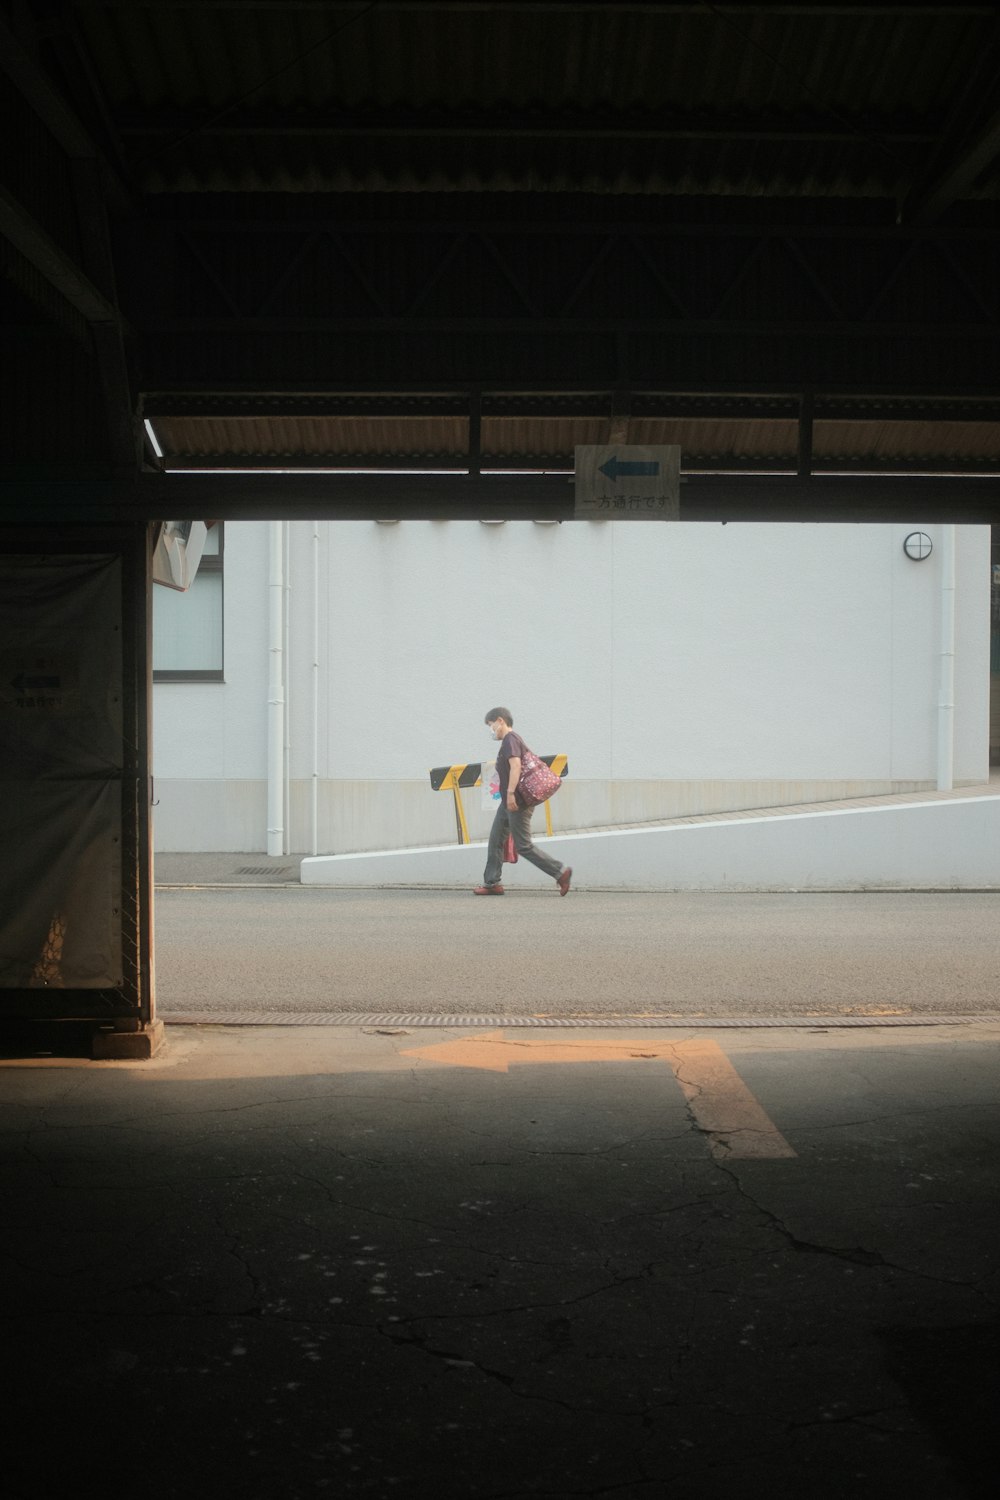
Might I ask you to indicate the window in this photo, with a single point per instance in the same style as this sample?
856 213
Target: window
187 628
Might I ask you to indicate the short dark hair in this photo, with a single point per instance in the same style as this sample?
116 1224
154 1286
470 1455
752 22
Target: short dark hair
499 713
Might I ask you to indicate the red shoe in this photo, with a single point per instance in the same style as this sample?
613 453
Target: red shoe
487 890
563 880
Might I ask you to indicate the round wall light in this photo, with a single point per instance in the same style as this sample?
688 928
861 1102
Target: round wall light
918 545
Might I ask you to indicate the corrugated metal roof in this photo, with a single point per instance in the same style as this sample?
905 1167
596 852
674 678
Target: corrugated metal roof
964 444
517 440
548 442
305 440
697 99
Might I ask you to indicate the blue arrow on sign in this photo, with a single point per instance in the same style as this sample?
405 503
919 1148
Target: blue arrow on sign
617 468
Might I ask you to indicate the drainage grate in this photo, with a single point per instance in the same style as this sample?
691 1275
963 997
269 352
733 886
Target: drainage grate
659 1023
264 870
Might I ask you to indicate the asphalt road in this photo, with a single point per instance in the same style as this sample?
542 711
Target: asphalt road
298 950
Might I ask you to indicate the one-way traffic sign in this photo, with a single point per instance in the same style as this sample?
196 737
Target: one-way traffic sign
619 483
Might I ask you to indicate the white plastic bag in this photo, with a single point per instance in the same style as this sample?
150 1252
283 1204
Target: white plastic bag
490 786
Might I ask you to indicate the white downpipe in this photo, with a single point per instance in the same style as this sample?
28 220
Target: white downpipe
315 691
275 692
946 693
286 627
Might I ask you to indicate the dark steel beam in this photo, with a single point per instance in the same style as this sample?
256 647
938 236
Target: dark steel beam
90 288
849 404
426 124
55 114
76 63
804 8
837 223
61 272
805 433
955 180
779 463
247 459
915 406
24 232
108 335
212 403
476 324
567 278
475 435
710 498
968 135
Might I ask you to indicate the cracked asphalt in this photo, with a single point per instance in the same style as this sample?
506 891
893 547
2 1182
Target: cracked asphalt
297 1261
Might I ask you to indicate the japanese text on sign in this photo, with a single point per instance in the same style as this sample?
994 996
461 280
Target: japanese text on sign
627 483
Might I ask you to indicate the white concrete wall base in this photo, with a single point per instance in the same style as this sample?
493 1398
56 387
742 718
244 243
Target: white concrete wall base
950 845
358 817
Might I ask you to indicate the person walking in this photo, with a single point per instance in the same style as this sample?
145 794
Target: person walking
513 815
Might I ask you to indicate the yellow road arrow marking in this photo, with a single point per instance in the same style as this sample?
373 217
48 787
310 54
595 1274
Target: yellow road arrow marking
723 1106
498 1053
720 1102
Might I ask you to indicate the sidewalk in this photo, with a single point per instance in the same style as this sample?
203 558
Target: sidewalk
282 1262
227 869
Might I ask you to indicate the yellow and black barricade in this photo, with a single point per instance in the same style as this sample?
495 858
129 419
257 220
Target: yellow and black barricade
454 778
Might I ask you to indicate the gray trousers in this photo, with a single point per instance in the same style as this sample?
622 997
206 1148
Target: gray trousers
519 824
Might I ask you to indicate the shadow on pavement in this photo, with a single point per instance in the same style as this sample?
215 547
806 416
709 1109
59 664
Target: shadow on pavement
296 1262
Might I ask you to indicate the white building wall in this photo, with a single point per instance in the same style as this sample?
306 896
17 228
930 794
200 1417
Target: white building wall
682 667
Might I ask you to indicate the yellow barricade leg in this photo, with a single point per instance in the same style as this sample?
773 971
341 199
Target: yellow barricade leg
548 818
460 815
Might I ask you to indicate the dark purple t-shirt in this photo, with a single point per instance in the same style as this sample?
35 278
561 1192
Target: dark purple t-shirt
511 745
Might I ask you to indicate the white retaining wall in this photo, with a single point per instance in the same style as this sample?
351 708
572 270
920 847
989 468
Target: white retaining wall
950 845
